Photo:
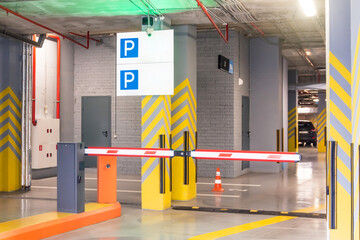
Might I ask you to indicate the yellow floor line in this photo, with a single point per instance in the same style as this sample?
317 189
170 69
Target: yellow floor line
253 225
27 221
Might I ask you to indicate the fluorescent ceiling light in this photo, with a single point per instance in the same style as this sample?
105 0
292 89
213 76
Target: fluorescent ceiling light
308 7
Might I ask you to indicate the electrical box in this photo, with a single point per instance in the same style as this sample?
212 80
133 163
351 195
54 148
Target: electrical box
71 178
44 139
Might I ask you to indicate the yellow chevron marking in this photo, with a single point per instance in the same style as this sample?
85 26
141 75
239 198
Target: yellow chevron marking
291 131
145 101
8 126
147 165
154 122
344 169
180 127
12 94
9 114
340 67
322 113
8 102
340 116
292 121
6 139
151 110
155 138
181 86
180 100
340 92
292 111
167 108
178 143
179 114
337 137
322 119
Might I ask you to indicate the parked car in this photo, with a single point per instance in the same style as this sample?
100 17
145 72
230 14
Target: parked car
307 133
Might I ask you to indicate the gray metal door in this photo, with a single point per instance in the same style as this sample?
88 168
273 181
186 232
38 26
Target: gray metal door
245 128
95 124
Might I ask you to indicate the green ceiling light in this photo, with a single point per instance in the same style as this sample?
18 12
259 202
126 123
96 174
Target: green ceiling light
308 7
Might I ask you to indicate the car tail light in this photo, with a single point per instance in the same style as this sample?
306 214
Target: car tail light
313 137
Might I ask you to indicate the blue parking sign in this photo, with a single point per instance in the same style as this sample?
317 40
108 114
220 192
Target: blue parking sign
129 80
129 48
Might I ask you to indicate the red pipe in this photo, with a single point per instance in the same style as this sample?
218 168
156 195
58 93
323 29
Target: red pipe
58 74
226 38
47 28
257 28
79 35
34 84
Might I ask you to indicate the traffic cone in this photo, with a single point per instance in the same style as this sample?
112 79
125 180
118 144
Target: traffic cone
217 186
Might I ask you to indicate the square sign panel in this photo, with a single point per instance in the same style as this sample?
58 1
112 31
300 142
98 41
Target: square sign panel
145 65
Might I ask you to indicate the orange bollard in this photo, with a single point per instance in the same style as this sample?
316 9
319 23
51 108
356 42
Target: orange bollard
106 179
217 186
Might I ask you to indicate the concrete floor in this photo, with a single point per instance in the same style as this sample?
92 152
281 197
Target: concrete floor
301 186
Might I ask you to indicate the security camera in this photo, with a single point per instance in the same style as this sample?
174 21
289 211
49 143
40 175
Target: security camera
149 31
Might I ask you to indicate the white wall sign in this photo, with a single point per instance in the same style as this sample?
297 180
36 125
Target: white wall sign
145 65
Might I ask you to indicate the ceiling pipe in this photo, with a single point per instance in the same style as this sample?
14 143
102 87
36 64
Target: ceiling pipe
37 44
84 36
34 122
226 37
303 54
57 75
47 28
258 29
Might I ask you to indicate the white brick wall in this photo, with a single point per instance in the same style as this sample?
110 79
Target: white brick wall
95 76
219 99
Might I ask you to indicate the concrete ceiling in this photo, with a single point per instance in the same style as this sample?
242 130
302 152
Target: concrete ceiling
278 18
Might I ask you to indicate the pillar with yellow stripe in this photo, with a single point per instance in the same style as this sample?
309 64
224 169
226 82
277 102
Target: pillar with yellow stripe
339 114
355 108
155 121
321 123
293 145
10 115
183 111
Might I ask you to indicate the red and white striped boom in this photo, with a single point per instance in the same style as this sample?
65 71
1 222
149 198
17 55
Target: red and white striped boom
130 152
198 154
246 156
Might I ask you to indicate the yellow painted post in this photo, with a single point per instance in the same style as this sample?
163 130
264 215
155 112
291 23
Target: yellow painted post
339 110
183 109
293 145
155 122
10 140
321 120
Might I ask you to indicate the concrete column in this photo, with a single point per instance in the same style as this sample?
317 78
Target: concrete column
293 145
10 114
266 98
343 90
183 109
321 123
155 120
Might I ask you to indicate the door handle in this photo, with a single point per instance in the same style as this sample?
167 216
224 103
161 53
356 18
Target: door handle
105 133
248 132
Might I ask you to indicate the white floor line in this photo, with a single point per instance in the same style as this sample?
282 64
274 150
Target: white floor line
203 183
132 191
